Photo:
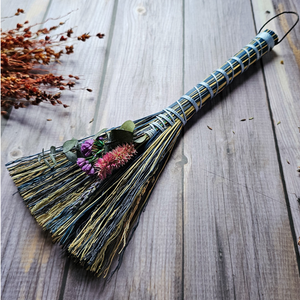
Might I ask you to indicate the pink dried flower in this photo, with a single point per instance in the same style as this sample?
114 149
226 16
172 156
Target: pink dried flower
114 160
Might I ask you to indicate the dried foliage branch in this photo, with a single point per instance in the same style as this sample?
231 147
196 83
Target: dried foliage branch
24 55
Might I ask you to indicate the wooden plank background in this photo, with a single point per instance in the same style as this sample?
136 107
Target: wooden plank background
223 220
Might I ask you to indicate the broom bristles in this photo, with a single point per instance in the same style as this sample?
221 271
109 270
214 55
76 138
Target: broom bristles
93 219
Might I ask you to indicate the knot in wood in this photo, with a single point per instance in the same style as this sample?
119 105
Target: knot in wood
141 10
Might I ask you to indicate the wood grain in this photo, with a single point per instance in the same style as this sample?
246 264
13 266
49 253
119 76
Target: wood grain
33 268
144 75
282 83
236 225
26 251
219 223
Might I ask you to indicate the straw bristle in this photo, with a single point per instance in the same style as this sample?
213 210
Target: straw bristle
92 219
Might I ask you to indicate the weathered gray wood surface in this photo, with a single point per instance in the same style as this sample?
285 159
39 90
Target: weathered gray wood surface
222 222
282 84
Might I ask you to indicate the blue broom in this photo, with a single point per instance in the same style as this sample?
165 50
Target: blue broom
89 194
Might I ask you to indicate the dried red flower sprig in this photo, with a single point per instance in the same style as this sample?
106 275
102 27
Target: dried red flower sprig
114 160
24 53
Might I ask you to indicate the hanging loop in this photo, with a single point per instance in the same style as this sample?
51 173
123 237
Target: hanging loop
285 12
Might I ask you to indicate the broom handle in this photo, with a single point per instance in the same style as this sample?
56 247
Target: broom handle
192 101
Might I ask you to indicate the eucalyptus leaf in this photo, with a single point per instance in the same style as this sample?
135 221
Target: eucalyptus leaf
71 156
46 162
108 136
68 145
78 152
100 132
128 126
121 136
118 137
52 149
53 159
141 139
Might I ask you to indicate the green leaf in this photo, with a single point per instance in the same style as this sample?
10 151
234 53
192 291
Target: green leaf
141 139
52 154
68 145
46 162
53 159
118 137
128 126
99 144
52 149
71 156
99 133
39 158
121 136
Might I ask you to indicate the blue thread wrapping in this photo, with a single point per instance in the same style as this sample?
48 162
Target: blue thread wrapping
218 80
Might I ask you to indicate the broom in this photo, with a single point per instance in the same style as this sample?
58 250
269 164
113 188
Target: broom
89 193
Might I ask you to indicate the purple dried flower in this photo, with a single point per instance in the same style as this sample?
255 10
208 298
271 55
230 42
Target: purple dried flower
86 147
86 168
81 162
91 172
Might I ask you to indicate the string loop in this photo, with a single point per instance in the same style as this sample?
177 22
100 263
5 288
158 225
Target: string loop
285 12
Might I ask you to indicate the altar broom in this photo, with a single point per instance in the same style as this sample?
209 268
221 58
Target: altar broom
89 193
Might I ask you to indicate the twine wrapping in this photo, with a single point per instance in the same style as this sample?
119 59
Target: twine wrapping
184 108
